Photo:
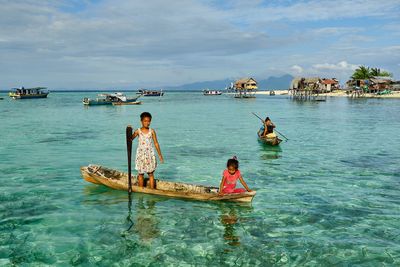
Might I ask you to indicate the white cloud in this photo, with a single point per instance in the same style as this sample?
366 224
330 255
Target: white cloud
296 69
341 66
78 44
320 10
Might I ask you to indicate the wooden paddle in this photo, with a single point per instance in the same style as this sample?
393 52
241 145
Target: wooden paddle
129 150
274 129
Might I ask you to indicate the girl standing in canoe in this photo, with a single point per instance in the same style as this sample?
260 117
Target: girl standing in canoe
145 161
230 177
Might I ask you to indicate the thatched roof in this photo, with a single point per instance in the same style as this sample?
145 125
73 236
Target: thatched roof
246 80
312 80
380 79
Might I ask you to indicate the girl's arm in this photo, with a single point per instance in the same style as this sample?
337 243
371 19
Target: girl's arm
265 129
157 146
135 133
244 183
221 186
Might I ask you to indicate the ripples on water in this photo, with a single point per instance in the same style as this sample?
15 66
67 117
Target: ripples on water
329 196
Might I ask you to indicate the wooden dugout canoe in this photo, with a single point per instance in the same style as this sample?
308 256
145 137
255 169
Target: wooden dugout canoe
98 174
270 141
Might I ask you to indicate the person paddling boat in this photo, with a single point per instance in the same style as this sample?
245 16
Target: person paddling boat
268 129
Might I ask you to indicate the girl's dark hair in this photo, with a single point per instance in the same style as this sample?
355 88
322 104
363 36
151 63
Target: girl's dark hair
267 119
233 162
145 115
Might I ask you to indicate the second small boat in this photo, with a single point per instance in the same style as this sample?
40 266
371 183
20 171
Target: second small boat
211 92
109 99
126 103
270 139
145 92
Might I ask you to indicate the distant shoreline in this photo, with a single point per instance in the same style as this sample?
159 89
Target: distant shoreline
395 94
105 90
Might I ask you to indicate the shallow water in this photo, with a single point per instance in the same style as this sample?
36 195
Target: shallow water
328 196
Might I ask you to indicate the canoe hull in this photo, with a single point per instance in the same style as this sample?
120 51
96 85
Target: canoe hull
127 103
119 180
270 141
274 141
28 96
92 102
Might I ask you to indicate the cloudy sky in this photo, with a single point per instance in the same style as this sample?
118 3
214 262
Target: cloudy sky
115 43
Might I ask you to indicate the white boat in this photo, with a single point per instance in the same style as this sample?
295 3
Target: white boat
109 99
212 92
145 92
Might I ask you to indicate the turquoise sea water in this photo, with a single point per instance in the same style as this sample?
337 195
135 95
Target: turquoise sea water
328 197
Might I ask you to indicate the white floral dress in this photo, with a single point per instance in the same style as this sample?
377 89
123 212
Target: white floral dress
145 158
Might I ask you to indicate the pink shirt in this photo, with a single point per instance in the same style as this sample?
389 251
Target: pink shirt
230 183
231 178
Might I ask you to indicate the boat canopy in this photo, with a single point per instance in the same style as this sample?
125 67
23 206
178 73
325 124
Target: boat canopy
119 96
32 88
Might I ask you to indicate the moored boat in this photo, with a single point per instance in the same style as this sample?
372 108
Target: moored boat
145 92
98 174
28 93
109 99
212 92
119 103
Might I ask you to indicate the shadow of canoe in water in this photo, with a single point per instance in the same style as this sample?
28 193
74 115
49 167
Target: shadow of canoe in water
268 152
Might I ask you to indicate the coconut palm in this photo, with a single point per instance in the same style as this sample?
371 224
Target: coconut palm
385 74
375 72
361 73
378 72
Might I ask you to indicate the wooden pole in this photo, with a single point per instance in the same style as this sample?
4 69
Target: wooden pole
129 152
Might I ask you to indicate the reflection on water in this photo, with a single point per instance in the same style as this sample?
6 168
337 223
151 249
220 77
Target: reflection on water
101 195
231 217
269 152
146 225
129 219
229 220
141 218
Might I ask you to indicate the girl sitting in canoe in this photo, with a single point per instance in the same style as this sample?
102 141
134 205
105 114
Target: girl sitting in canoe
230 177
268 129
145 159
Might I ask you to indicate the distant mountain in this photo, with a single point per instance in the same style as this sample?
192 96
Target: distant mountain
271 83
217 85
275 83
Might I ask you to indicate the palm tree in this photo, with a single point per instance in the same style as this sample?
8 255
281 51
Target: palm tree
361 73
375 72
385 74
